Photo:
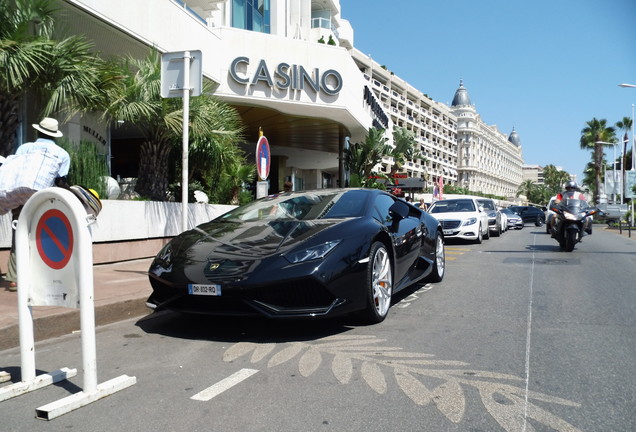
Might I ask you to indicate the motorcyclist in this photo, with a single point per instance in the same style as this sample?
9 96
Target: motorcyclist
571 192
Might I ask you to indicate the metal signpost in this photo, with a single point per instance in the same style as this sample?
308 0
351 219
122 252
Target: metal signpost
263 161
181 76
54 257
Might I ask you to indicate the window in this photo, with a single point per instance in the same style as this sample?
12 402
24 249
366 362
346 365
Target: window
381 207
251 15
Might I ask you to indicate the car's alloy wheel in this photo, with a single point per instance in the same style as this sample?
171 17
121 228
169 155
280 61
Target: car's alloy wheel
379 284
439 265
479 238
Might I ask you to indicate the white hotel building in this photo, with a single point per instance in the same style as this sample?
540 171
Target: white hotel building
310 99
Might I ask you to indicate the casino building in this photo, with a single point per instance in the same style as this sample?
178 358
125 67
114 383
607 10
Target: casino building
266 60
290 67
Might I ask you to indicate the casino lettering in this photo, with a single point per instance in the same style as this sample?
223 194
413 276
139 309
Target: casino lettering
287 76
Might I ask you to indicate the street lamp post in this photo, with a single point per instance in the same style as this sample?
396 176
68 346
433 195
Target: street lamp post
624 85
613 144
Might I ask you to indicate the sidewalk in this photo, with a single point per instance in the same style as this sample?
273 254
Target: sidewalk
120 292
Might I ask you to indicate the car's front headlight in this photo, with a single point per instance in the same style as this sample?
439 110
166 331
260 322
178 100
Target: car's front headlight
312 253
470 221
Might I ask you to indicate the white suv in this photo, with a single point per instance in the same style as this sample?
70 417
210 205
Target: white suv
461 218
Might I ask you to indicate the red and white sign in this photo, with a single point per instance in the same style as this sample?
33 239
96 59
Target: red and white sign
263 158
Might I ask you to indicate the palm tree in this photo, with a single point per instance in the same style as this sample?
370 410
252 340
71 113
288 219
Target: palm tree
54 73
624 125
361 158
594 137
526 188
234 176
589 176
135 98
404 148
554 179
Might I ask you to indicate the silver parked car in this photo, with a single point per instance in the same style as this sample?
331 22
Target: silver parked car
494 216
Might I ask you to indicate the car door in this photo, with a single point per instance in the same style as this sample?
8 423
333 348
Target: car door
406 235
483 217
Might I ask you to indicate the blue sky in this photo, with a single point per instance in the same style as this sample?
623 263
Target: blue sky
542 67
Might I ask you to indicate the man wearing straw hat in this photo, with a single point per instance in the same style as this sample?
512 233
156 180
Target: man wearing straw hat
58 166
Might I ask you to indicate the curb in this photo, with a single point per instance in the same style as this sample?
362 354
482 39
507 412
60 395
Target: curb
61 324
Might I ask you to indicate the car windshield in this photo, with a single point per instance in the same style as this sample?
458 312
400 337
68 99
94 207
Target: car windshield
450 206
509 212
302 206
487 204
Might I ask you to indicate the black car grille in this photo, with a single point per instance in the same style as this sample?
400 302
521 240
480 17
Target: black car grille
450 224
299 295
304 293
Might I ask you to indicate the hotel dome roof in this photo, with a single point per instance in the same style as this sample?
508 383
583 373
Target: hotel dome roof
461 96
514 138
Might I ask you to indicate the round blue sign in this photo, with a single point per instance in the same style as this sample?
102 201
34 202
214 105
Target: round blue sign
54 239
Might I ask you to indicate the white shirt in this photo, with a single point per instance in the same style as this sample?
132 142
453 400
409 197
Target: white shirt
48 146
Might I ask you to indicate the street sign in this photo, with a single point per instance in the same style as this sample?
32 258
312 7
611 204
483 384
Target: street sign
54 239
173 74
54 259
263 158
181 76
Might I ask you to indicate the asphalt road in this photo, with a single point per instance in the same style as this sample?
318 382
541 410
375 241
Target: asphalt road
518 337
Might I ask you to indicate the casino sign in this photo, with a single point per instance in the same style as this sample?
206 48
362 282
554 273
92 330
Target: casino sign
286 76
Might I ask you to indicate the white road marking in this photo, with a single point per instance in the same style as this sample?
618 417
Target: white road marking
528 337
224 384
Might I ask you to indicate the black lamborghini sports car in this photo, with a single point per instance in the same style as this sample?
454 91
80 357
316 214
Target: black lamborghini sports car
301 254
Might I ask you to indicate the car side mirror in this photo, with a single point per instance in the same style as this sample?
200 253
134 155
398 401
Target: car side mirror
481 209
398 211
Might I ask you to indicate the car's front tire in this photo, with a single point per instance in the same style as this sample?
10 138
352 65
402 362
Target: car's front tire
379 284
478 240
439 264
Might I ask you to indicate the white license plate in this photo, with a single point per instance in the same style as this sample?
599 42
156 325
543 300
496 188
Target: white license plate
448 232
210 290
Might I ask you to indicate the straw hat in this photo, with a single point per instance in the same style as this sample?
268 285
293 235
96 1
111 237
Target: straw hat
49 126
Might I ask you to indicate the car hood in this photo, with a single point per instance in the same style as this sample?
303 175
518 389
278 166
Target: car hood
454 215
254 240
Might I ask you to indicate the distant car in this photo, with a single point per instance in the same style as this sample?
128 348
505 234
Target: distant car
530 214
549 215
300 255
494 217
461 218
504 219
514 221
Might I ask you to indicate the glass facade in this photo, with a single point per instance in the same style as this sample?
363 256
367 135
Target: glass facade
251 15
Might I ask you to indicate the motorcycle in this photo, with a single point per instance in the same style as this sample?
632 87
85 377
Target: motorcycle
572 218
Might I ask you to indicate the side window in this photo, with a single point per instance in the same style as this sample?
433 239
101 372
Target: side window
381 208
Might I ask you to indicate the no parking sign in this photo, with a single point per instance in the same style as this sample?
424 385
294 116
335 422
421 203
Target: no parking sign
55 226
54 257
54 239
